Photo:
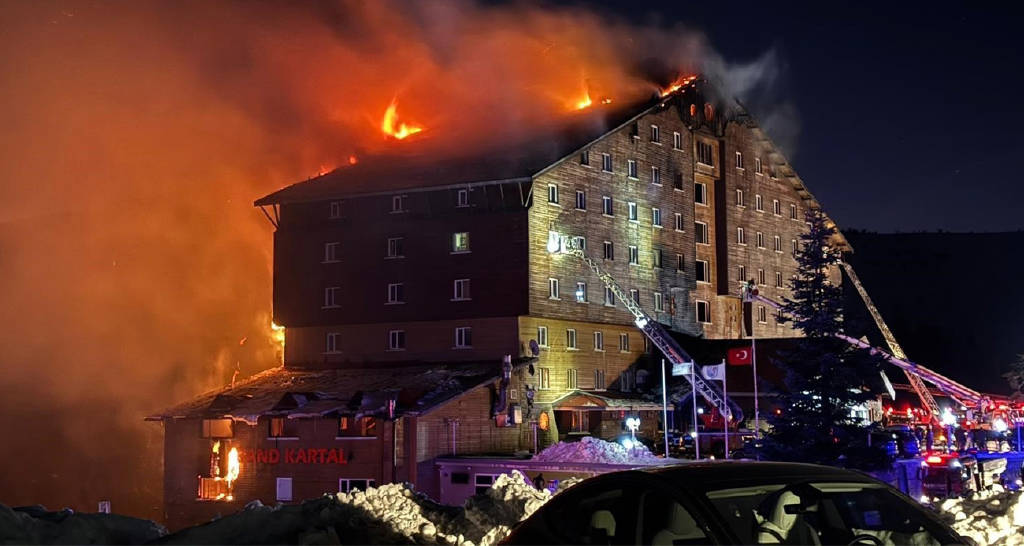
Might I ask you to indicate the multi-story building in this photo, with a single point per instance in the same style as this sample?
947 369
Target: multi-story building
429 260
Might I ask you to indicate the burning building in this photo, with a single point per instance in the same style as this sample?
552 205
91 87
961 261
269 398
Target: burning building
425 316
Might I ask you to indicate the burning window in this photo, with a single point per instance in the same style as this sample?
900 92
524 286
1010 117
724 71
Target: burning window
224 470
463 337
709 111
460 242
703 312
364 426
703 272
218 428
281 427
700 193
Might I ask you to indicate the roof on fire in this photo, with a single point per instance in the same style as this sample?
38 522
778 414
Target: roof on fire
416 387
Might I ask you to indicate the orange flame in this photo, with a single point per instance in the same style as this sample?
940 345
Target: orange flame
352 160
234 466
677 85
387 125
277 335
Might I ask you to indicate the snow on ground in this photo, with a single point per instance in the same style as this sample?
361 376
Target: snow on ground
595 450
36 525
990 518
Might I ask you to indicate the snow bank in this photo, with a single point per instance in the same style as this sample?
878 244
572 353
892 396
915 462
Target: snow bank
990 518
36 525
596 450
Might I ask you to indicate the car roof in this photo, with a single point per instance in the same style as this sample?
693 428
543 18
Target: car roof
712 474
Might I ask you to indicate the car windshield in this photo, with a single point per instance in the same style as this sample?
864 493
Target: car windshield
812 512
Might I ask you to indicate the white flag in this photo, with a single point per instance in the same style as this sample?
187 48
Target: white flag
714 372
682 368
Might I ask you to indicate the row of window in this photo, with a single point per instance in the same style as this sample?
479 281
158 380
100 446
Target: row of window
395 247
607 164
608 205
571 342
758 168
761 276
283 490
463 339
759 205
741 238
571 379
282 427
581 295
395 294
399 203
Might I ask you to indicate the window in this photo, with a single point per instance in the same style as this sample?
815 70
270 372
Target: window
346 485
570 339
598 341
398 203
331 294
655 134
742 273
461 290
739 160
677 141
703 312
758 203
460 242
579 421
655 217
395 249
740 202
760 277
701 230
552 194
741 236
606 206
777 243
792 212
703 272
623 342
284 489
542 336
700 193
659 302
704 153
331 345
571 377
585 157
463 337
581 292
631 168
462 198
634 294
634 255
680 263
281 428
760 240
633 215
778 279
609 296
331 252
657 257
606 163
581 200
396 340
335 210
543 378
776 207
580 242
217 428
679 221
677 182
599 380
553 289
762 314
361 427
609 250
757 165
794 245
655 176
396 293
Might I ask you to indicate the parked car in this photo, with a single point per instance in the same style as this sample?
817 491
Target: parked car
728 502
907 444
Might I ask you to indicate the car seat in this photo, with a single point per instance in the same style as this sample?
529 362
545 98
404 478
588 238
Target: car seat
602 527
783 527
680 525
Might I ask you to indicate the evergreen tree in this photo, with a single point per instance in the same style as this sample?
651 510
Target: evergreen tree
1015 377
825 376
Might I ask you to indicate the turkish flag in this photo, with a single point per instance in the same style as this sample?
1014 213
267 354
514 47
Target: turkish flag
739 356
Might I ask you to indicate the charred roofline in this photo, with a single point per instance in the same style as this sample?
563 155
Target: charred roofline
269 200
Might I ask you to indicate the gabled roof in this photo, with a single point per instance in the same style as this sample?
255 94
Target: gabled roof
415 387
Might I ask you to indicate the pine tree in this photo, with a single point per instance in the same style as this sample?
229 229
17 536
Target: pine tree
825 377
1015 377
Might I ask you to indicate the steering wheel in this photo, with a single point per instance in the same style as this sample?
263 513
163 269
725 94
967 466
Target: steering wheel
872 539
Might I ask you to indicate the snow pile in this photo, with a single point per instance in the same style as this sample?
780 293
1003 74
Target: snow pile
596 450
489 516
36 525
991 518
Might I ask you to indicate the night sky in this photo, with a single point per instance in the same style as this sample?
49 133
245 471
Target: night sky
910 114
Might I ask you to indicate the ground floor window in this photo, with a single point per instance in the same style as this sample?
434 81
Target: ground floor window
483 482
346 485
284 489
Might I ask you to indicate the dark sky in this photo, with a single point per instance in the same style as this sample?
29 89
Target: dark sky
910 113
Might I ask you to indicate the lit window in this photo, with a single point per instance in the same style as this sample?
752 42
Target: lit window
581 200
705 154
281 427
606 163
331 252
703 312
633 215
395 247
742 273
677 141
777 243
462 198
623 342
741 236
599 380
396 340
396 293
760 240
776 207
461 290
656 217
758 203
740 202
701 230
680 263
659 302
553 289
656 257
792 212
631 168
581 292
571 379
331 343
703 272
331 294
762 314
598 341
552 194
700 193
655 176
609 250
460 241
739 160
463 337
585 157
655 134
757 165
778 279
609 296
543 378
398 203
634 255
542 336
606 206
760 277
335 210
570 339
679 221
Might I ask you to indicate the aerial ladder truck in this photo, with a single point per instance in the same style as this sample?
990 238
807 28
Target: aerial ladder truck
562 244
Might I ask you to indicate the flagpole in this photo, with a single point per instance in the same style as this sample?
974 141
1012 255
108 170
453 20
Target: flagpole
725 404
693 384
664 405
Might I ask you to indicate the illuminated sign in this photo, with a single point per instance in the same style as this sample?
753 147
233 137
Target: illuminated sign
312 455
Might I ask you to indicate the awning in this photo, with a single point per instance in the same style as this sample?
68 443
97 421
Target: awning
604 401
